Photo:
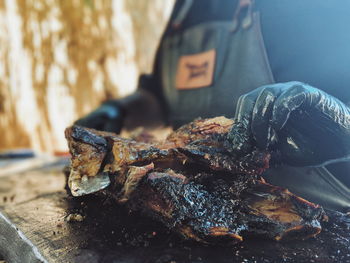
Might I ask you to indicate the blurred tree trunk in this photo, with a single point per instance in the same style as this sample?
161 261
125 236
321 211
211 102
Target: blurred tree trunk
59 59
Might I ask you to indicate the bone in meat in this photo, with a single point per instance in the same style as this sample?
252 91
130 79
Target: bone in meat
191 183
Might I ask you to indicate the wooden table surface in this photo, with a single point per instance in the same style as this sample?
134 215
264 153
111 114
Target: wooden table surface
34 205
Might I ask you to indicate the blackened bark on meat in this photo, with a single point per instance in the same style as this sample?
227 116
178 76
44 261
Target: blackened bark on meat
220 212
192 184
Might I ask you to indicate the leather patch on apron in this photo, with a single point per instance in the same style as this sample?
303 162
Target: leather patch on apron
195 71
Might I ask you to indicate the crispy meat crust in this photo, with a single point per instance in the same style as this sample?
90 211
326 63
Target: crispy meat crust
193 184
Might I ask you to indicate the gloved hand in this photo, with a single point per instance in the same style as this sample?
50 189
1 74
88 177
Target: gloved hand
304 125
108 117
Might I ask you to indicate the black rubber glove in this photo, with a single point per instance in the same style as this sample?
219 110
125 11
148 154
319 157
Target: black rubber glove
304 125
108 117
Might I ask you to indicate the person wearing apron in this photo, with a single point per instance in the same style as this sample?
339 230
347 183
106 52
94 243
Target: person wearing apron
213 52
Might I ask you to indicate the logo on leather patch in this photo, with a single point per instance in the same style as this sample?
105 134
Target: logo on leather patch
195 71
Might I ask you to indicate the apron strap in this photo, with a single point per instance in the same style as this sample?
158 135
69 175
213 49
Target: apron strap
243 6
181 15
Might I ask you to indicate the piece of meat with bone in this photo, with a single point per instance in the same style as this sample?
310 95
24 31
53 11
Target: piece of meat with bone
191 183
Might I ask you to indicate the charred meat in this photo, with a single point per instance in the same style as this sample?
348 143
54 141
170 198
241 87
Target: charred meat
191 183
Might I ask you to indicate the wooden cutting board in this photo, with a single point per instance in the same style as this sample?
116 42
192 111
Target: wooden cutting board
33 228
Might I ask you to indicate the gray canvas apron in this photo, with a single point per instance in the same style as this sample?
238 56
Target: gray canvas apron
241 65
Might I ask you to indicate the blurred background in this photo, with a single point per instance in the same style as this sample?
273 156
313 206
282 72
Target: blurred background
59 59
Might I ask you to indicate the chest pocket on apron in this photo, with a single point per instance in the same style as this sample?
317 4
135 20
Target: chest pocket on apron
205 68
